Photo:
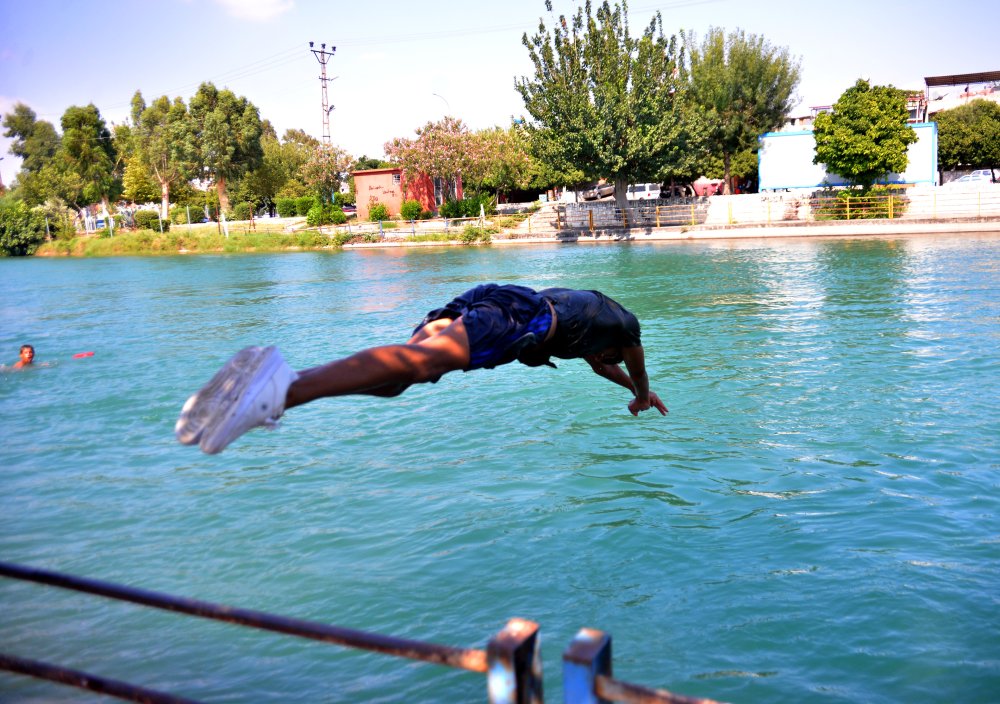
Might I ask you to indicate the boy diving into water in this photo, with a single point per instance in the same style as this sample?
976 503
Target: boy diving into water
483 328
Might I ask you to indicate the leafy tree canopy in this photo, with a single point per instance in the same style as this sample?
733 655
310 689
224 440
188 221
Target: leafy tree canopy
442 149
34 141
867 135
227 131
322 173
969 136
745 86
603 102
88 152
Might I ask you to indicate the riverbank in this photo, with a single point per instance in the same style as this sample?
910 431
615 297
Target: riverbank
211 242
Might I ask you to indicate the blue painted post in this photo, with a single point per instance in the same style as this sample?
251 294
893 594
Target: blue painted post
514 661
588 655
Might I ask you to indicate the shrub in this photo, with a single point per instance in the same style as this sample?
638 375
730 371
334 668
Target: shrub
304 204
342 199
325 215
876 202
285 207
410 210
377 211
242 211
469 207
149 220
21 230
472 234
311 238
178 215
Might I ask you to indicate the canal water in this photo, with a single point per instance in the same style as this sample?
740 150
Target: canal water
817 519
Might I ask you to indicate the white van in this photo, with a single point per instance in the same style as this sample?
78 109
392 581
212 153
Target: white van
643 191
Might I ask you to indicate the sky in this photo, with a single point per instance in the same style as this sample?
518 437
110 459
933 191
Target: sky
399 65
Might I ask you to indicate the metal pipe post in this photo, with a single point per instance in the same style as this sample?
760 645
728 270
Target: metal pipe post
587 657
514 661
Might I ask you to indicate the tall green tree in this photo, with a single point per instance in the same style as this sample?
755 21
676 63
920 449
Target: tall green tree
603 102
969 136
36 142
88 152
866 136
745 86
162 143
227 131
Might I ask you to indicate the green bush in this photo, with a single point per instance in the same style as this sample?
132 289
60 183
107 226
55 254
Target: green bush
342 199
472 234
317 216
338 217
410 210
377 211
285 207
876 202
311 238
149 220
304 204
242 211
178 215
469 207
21 230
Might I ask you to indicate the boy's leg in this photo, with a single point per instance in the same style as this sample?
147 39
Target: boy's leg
256 386
439 347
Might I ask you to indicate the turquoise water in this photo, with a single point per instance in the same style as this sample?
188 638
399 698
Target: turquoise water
816 519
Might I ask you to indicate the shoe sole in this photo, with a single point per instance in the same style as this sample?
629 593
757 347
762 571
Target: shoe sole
209 415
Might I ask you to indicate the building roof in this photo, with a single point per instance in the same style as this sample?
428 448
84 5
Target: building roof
962 78
387 170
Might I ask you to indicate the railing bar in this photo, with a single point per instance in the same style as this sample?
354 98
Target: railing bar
461 658
84 680
614 690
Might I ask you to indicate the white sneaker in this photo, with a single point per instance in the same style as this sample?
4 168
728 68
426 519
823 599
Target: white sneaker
249 391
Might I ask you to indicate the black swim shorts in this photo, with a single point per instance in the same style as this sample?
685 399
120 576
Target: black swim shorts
501 320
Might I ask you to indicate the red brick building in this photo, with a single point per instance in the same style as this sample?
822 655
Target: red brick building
390 188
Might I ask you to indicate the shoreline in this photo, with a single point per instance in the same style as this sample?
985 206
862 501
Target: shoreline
826 230
548 235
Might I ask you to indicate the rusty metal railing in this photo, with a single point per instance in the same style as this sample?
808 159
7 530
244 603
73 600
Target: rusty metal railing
511 662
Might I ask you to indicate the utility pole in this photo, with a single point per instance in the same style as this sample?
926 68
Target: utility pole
322 55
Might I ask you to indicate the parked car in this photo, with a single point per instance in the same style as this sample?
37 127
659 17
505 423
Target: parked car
643 191
598 191
349 210
973 179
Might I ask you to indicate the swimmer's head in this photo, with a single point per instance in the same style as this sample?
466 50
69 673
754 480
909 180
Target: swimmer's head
27 354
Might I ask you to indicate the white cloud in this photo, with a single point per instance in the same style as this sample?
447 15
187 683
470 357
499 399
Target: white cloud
256 10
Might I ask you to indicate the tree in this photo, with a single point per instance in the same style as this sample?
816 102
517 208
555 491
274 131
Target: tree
89 154
227 132
867 135
322 173
505 162
21 229
364 163
36 142
602 102
745 86
162 144
969 136
442 149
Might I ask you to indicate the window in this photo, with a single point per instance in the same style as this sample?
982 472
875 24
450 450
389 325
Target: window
395 179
